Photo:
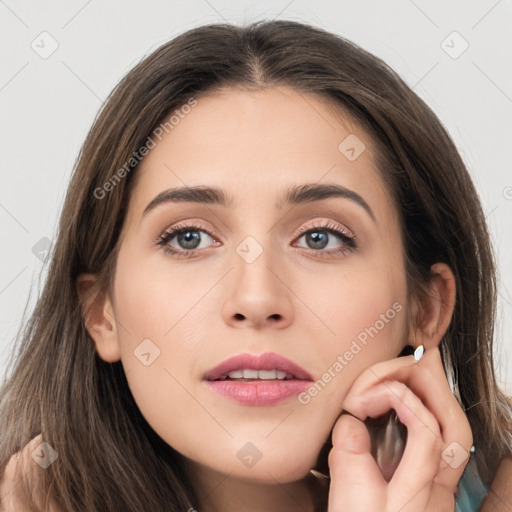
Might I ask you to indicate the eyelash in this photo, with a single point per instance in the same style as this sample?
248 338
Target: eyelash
348 239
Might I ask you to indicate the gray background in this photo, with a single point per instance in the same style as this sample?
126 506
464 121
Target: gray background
48 102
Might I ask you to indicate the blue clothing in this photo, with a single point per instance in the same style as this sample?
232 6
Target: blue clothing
472 490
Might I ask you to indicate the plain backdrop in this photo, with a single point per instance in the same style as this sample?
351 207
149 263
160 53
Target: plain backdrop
60 60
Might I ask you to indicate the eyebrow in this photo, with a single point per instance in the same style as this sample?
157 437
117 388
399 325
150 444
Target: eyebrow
295 194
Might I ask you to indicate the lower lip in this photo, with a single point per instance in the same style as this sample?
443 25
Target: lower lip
258 392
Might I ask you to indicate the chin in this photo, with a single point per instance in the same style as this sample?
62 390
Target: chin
270 469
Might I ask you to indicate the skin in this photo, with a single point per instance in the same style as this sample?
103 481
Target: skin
200 310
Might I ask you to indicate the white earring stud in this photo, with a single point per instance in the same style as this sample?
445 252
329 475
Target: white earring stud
418 353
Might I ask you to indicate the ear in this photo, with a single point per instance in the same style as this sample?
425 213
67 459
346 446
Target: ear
434 314
99 318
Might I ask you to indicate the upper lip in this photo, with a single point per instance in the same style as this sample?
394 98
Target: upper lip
266 361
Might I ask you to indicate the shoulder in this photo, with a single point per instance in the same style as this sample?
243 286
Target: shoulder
499 498
20 466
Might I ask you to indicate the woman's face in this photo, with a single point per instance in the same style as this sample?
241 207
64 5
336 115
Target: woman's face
266 275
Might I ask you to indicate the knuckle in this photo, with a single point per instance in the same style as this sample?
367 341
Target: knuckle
400 390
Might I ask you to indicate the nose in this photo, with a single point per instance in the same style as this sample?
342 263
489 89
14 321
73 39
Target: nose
259 295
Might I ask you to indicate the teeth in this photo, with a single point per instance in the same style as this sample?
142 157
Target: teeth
258 374
266 374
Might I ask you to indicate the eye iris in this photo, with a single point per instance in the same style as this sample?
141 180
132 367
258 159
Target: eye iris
189 237
318 238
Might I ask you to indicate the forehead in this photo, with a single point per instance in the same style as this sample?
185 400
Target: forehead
255 144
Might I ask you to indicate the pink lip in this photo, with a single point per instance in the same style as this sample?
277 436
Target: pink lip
258 392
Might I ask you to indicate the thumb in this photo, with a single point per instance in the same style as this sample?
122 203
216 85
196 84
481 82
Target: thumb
356 480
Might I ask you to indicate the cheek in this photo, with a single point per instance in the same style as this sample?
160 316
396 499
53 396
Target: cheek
152 300
153 310
358 320
356 301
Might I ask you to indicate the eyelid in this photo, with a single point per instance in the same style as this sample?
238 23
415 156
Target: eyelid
326 224
186 224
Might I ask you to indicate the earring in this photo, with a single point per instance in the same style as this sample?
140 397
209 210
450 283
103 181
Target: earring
418 352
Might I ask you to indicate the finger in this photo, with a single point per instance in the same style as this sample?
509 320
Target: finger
356 481
427 380
410 486
377 372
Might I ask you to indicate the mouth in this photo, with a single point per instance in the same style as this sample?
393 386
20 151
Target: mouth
250 374
249 367
261 381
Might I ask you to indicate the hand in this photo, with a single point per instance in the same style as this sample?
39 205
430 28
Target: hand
423 482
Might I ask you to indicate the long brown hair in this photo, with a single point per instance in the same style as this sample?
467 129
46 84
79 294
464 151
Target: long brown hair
109 456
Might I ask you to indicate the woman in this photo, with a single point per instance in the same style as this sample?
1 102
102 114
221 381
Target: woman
273 194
